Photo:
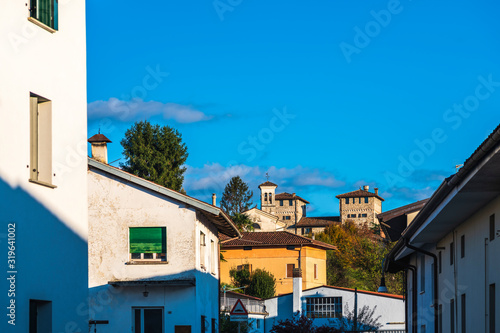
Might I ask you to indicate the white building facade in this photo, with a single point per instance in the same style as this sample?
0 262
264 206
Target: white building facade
153 255
327 304
43 188
450 251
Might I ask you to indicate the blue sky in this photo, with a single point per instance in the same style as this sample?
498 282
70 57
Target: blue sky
324 95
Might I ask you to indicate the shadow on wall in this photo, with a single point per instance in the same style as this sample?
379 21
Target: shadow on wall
180 305
50 262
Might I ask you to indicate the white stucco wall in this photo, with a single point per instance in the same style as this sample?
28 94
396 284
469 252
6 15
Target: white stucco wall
471 275
115 206
51 224
390 309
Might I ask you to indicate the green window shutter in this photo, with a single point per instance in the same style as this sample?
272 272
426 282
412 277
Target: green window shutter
148 240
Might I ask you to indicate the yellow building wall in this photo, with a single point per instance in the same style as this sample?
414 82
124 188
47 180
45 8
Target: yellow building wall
275 260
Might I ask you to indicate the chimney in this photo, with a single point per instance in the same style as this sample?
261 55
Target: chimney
366 187
99 147
214 199
297 290
376 190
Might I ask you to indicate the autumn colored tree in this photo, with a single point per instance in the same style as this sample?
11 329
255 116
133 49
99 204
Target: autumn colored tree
357 262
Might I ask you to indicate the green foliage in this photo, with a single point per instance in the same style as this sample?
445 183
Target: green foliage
155 153
260 283
228 326
357 262
243 222
236 197
240 278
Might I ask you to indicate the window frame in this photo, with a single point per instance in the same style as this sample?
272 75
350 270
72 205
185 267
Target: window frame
452 254
492 227
462 246
41 141
142 308
51 25
157 257
321 307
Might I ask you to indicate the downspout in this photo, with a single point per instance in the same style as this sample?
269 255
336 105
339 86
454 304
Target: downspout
414 296
435 300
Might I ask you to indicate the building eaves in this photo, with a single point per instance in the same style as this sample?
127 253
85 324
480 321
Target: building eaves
446 187
268 183
322 221
223 223
273 239
374 293
410 208
289 196
359 193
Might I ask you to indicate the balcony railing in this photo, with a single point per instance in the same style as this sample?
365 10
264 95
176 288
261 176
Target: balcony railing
252 306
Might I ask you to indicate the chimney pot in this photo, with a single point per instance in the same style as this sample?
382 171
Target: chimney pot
99 147
366 187
376 190
214 199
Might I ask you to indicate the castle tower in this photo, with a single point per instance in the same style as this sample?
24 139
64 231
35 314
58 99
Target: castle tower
360 206
267 197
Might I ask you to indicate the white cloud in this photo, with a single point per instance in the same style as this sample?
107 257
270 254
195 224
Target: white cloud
137 109
212 178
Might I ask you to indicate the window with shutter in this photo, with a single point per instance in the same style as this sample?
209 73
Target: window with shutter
148 243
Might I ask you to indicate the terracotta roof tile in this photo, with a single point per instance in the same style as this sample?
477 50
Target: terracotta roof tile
99 138
268 183
322 221
273 238
288 196
357 194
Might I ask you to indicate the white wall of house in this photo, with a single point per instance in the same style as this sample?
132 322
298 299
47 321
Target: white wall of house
471 275
51 223
116 205
390 309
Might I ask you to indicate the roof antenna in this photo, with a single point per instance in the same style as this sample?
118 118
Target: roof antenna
458 166
99 131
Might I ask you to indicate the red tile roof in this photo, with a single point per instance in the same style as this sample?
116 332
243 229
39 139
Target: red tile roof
322 221
98 138
288 196
273 238
268 183
359 193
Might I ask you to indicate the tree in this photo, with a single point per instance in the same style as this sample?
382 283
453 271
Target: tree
260 283
155 153
357 262
243 222
236 197
365 320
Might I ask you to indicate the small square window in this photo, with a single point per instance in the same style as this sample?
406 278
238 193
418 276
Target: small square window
281 202
290 202
289 270
366 199
347 201
148 243
46 12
